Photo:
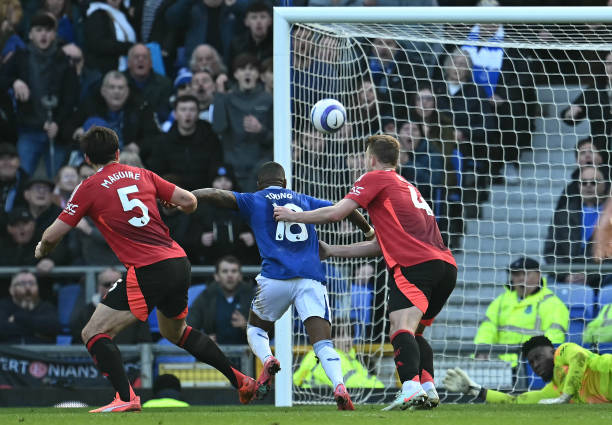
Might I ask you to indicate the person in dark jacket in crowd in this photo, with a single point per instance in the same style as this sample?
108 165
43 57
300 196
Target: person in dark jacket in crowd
243 119
46 91
108 36
150 86
12 181
258 39
133 334
24 317
221 310
89 78
128 115
190 150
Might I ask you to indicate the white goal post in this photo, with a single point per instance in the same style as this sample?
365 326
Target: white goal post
287 17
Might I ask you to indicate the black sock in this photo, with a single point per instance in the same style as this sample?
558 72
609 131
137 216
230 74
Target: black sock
205 350
426 367
406 355
107 358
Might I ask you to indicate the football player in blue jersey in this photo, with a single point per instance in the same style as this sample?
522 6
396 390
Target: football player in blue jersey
291 271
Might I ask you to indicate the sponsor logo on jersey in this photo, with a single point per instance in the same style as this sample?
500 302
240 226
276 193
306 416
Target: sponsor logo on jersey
356 190
71 208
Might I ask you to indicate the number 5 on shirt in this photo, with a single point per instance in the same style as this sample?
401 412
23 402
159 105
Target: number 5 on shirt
130 204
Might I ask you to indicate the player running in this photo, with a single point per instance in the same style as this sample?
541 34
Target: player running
122 201
291 272
423 270
575 375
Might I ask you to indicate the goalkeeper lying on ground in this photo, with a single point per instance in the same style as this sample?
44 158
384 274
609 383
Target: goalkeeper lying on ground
574 375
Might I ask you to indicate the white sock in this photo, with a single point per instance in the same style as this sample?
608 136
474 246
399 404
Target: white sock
259 342
330 360
428 386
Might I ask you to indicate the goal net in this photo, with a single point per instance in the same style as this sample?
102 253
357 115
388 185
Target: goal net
489 117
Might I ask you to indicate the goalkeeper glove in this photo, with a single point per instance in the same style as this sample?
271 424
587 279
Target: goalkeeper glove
457 381
562 399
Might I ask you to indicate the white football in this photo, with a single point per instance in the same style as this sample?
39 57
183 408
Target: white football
328 115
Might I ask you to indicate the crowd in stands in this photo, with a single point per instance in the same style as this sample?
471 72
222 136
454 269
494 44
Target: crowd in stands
187 86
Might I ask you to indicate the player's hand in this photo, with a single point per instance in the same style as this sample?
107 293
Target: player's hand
457 381
562 399
283 214
238 320
324 250
38 254
166 204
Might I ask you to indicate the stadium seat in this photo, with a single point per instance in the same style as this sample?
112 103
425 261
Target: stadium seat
153 324
63 339
579 299
605 295
67 296
605 348
194 291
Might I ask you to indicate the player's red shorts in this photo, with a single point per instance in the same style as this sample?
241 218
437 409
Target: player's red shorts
426 286
163 285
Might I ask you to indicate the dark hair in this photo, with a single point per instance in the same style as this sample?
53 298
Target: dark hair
186 98
100 144
243 60
45 20
258 6
534 342
270 171
266 65
384 147
227 259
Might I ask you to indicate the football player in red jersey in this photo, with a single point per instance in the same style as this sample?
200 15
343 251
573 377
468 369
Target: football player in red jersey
122 202
423 269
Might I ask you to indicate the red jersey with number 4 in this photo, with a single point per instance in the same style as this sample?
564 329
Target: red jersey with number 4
122 202
405 226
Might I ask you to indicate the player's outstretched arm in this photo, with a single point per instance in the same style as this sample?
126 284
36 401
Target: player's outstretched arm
361 249
220 198
323 215
184 200
52 236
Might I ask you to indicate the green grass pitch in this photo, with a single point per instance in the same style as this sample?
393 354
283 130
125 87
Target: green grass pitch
449 414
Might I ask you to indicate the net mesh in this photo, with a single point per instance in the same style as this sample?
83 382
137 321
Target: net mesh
489 136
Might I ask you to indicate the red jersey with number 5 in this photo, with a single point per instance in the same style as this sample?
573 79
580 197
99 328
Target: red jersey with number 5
122 202
405 226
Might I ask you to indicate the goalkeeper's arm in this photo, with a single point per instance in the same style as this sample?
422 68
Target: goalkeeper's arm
456 380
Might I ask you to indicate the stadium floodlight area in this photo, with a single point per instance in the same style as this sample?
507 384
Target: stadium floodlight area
408 72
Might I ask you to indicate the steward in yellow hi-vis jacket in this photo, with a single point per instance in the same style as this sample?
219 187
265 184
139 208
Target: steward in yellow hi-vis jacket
526 308
600 329
311 374
576 375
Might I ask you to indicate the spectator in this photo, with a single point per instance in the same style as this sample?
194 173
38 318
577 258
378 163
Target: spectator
206 58
130 158
55 79
124 112
191 150
362 300
569 239
504 75
310 373
221 311
69 20
108 36
219 232
266 75
135 333
182 87
243 119
258 39
24 317
17 249
10 18
203 88
38 194
85 171
89 78
594 104
8 125
12 181
209 21
600 329
66 180
588 152
166 393
146 83
525 307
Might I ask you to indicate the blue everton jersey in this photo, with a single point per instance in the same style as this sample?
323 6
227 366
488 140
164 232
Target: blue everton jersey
288 250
